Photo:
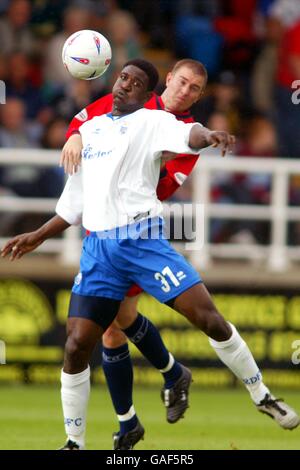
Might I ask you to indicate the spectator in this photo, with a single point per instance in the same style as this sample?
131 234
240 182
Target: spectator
47 16
51 180
280 15
288 122
19 84
3 6
236 25
15 179
76 97
224 99
26 180
3 68
259 140
263 76
287 11
219 122
14 28
75 19
122 34
156 19
14 130
54 136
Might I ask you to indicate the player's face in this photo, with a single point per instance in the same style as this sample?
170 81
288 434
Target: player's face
130 90
184 88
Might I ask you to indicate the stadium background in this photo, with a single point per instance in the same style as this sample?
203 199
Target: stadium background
246 47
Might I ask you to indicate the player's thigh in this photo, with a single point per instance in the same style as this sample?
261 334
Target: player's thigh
195 301
99 310
127 313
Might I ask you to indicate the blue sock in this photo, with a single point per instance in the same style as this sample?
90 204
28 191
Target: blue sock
118 371
147 339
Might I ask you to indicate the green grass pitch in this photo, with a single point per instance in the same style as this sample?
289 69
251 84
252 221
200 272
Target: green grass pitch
217 419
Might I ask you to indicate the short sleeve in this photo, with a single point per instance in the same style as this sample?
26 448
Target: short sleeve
70 204
171 135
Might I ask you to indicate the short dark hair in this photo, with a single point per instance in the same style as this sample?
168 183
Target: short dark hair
149 70
196 66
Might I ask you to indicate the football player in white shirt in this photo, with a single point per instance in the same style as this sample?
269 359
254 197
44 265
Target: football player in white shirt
115 195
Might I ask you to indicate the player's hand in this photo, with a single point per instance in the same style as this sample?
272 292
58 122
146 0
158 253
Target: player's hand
20 245
222 139
71 154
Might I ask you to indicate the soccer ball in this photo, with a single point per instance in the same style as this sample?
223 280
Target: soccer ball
86 54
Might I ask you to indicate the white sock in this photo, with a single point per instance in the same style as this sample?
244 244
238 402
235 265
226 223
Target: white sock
235 354
75 392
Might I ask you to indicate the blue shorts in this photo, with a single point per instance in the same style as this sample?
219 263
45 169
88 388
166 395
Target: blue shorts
112 261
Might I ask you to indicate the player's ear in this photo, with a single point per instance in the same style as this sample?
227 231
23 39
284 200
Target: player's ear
168 78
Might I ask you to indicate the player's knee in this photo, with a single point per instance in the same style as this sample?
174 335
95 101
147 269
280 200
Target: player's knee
208 319
216 326
77 350
113 337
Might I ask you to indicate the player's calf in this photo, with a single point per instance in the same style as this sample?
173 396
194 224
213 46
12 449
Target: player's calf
197 306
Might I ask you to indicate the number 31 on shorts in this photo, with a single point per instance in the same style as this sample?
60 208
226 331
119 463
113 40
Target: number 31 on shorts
168 279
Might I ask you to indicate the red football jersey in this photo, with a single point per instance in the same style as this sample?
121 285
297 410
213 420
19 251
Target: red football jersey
174 172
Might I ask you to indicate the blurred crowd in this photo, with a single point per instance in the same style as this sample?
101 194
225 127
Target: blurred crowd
251 49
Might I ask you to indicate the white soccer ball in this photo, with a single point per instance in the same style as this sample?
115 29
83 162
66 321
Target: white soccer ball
86 54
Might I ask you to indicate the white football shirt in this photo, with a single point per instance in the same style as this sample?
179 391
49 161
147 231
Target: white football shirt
120 168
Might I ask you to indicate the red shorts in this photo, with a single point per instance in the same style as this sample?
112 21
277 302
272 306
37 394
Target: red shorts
134 290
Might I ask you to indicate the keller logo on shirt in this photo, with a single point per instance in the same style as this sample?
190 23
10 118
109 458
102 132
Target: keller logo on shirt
89 154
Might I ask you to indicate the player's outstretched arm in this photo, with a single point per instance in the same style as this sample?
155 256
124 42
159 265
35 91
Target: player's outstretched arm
71 154
201 137
27 242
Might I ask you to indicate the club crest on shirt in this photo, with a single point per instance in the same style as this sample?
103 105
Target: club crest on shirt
123 130
97 131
